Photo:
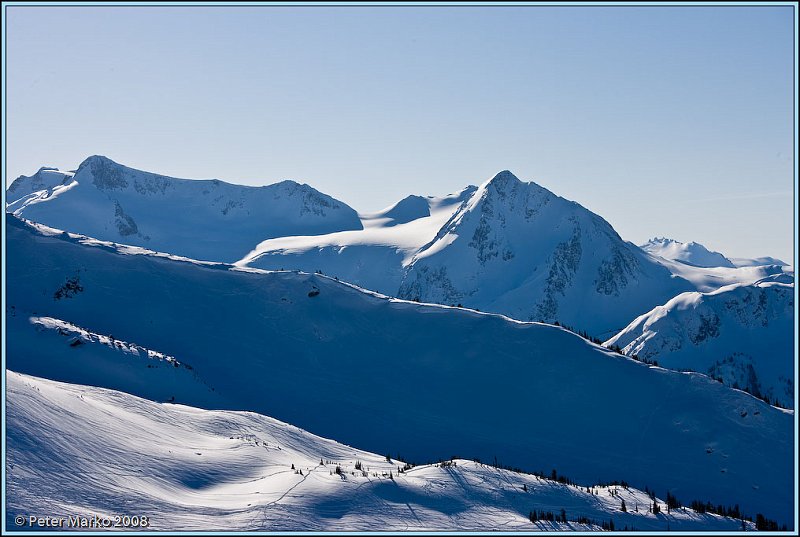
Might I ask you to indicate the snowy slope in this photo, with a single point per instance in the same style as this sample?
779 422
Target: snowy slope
79 450
708 271
375 257
506 246
43 185
424 381
742 334
206 219
691 253
518 249
758 261
707 279
58 349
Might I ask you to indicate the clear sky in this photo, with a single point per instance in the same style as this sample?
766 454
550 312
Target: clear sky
669 121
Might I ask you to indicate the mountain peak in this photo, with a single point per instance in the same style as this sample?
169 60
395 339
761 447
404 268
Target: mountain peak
690 253
106 174
97 160
502 178
408 209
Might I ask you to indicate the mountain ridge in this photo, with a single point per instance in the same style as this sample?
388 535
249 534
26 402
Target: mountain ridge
741 334
691 253
392 366
203 219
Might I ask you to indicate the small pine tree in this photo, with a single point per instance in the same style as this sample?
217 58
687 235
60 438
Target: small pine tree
623 508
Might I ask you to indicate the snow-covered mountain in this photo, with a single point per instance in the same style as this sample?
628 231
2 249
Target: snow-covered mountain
506 246
422 381
519 249
741 334
375 257
758 261
78 451
691 253
202 219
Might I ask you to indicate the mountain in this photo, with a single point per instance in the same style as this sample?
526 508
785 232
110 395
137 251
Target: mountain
691 253
221 470
518 249
425 381
758 261
375 257
707 279
201 219
406 210
740 334
509 247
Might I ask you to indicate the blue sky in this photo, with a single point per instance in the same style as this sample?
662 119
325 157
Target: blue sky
674 121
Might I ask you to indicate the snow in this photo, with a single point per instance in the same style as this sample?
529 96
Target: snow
740 333
518 249
406 210
707 279
202 219
506 246
423 381
744 262
691 253
176 291
103 360
81 450
374 257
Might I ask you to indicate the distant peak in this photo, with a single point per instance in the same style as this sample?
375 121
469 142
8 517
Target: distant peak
291 188
291 184
96 160
407 209
661 240
501 183
503 177
106 174
413 198
691 253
